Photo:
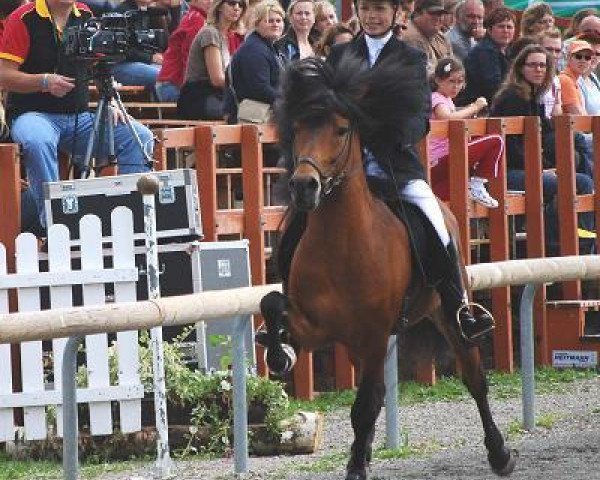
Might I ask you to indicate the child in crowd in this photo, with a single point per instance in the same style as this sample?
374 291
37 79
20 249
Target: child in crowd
484 152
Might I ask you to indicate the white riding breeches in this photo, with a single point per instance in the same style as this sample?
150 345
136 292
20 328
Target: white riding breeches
419 193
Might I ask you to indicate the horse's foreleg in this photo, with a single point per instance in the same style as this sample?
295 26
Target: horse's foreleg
365 410
280 357
501 459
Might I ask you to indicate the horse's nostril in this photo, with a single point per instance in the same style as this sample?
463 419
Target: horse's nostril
304 184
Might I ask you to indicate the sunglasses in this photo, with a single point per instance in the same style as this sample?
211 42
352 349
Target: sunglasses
553 50
581 56
233 3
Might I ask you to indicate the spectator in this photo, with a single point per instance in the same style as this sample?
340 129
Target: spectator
490 5
140 66
449 18
424 32
325 17
484 152
172 70
551 40
298 41
537 18
588 82
401 22
174 11
579 62
486 64
519 44
529 77
47 105
203 92
407 6
589 25
256 66
334 35
576 19
469 22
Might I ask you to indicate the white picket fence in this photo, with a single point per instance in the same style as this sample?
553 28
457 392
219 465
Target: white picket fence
37 394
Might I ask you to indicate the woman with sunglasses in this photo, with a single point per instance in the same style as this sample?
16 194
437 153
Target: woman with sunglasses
202 94
529 77
579 60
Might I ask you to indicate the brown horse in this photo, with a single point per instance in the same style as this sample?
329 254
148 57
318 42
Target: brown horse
347 277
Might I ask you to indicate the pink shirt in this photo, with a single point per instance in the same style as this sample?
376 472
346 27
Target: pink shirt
439 147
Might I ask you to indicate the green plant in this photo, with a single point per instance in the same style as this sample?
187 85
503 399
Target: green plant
209 397
546 420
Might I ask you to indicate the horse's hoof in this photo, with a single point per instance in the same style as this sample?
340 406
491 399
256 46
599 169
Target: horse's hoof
280 361
509 464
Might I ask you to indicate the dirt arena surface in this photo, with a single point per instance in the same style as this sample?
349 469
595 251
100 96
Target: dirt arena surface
450 439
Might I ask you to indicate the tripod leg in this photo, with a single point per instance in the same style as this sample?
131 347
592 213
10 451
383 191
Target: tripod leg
100 113
121 107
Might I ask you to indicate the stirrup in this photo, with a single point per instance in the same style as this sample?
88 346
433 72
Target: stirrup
484 311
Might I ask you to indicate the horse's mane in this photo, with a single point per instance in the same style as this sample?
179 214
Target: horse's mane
378 102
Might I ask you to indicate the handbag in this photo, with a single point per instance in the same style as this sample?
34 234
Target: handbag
253 111
248 110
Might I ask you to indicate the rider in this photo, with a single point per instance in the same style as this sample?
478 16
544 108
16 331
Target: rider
401 168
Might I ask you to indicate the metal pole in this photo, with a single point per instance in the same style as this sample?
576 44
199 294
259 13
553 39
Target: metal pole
69 408
240 407
392 434
527 355
148 186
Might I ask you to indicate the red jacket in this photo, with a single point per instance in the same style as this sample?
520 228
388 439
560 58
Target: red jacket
180 41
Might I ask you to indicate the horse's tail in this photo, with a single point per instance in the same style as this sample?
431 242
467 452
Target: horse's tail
294 225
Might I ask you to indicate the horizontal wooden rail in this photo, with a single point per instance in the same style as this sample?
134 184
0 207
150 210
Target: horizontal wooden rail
218 304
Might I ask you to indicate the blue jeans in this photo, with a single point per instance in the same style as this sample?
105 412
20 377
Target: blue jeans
515 180
167 92
136 73
42 135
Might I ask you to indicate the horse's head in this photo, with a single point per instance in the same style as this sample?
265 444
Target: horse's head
321 156
322 112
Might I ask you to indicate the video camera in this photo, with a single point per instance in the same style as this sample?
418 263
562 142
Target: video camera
108 38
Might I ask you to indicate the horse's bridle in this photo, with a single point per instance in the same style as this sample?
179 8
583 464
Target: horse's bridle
338 173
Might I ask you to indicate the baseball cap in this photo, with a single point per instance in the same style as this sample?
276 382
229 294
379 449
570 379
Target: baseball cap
430 6
579 45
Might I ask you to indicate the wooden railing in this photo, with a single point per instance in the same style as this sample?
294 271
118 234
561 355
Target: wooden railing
258 218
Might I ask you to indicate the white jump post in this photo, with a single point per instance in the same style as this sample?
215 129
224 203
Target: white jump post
148 186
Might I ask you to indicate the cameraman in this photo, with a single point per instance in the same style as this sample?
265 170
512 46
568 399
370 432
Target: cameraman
47 104
140 67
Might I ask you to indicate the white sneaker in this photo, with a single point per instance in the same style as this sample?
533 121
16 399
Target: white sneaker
478 192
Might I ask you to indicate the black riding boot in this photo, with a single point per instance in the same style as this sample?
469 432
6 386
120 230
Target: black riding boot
454 300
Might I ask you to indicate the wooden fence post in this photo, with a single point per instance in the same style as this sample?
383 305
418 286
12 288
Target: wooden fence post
499 250
534 213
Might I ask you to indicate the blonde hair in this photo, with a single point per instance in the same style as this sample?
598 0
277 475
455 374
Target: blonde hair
533 14
320 7
293 4
212 18
263 9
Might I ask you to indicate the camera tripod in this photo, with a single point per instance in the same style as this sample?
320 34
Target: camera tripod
103 121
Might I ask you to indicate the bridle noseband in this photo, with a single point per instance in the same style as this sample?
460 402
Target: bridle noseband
338 174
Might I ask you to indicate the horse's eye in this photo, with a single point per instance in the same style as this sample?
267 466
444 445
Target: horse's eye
341 131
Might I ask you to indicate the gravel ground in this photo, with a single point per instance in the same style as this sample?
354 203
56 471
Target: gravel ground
451 435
